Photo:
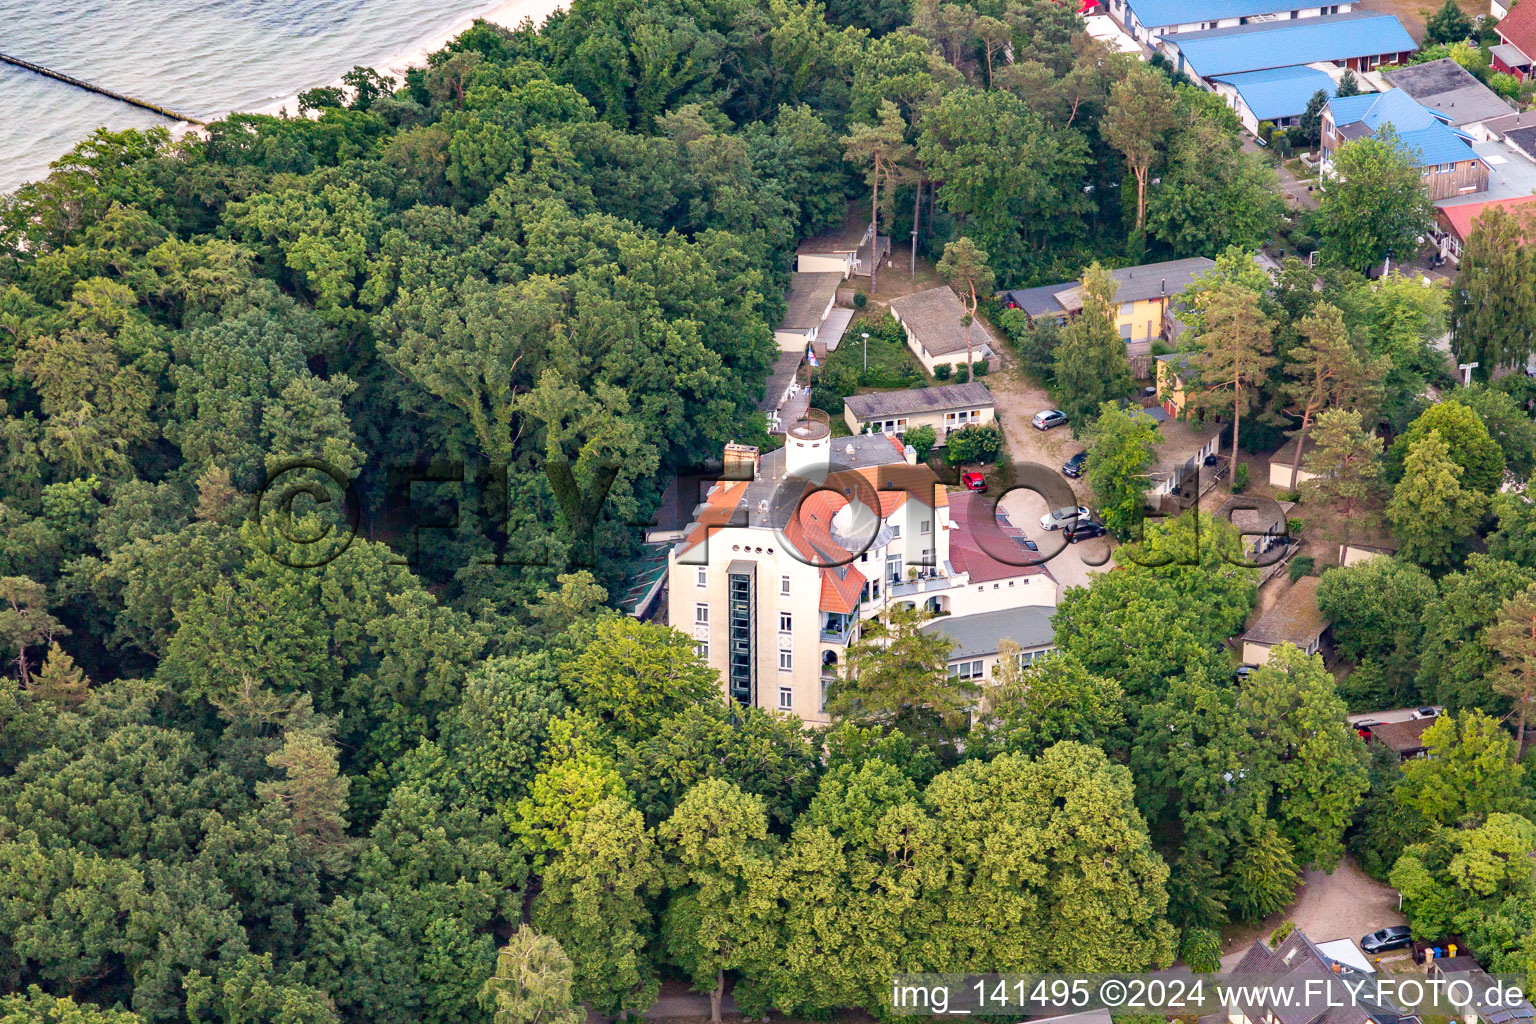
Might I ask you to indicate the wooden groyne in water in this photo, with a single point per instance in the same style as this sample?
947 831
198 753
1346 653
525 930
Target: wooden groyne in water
88 87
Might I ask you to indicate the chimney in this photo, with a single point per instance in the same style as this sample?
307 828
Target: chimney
741 461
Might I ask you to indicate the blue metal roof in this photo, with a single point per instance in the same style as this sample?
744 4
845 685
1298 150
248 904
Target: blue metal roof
1276 44
1422 130
1279 92
1157 13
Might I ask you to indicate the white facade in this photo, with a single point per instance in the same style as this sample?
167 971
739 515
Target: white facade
776 627
1148 35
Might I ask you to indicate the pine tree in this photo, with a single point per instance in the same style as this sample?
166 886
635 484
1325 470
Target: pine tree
1143 110
1236 358
216 494
964 266
1447 25
1345 463
1513 638
1431 511
313 790
882 150
1326 370
1493 306
1264 874
59 680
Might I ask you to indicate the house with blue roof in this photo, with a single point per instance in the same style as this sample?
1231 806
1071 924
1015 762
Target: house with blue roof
1358 40
1277 95
1147 19
1444 154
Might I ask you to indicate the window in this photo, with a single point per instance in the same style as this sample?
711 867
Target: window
786 622
703 577
892 569
1027 658
1126 308
702 650
1444 168
786 698
966 669
701 614
783 586
895 531
786 661
924 527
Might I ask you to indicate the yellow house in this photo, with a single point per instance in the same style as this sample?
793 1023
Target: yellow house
1142 298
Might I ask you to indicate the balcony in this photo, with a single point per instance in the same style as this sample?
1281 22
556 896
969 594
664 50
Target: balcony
926 585
840 634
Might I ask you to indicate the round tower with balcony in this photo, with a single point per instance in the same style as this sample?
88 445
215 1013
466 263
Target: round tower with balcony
808 446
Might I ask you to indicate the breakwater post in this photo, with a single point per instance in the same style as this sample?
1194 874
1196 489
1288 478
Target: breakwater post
88 87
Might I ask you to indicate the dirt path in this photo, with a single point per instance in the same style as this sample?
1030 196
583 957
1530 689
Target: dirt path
1343 905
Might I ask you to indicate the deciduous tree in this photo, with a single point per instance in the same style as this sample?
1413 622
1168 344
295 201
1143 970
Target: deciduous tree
533 983
896 676
594 904
1120 451
717 846
1372 203
1090 362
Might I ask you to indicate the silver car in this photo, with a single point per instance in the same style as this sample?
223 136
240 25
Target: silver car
1045 419
1056 519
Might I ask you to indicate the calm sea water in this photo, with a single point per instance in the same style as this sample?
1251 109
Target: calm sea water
198 57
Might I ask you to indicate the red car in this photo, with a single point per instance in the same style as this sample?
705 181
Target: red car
973 481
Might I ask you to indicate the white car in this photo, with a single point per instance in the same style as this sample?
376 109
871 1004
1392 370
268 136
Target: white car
1056 519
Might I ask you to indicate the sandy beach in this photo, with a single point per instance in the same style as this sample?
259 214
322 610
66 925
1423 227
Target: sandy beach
507 13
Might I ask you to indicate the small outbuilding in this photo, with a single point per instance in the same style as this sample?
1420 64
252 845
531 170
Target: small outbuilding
945 408
934 321
1294 619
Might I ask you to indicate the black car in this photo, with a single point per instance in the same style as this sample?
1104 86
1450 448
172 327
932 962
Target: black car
1074 465
1244 671
1084 529
1397 937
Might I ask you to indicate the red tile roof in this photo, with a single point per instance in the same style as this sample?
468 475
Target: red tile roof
1519 28
840 589
720 505
1462 218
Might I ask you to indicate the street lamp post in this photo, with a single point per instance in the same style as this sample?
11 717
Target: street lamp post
865 336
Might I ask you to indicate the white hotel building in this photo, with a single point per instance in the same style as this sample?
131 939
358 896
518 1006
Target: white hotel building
776 573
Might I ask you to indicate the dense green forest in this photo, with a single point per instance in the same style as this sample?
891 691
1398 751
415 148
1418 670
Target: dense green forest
235 787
